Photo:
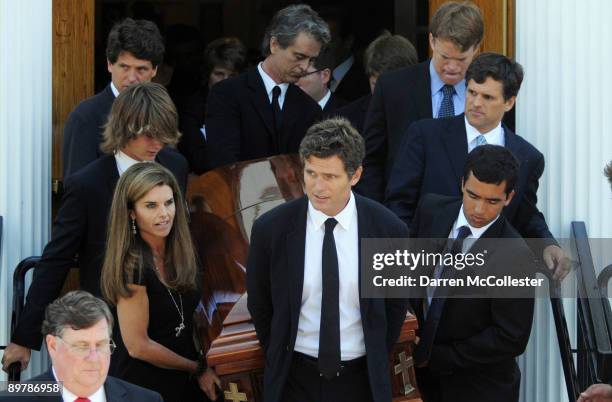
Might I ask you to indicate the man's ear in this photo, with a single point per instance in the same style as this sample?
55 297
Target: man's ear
509 198
356 176
51 343
274 45
509 104
109 66
431 41
325 76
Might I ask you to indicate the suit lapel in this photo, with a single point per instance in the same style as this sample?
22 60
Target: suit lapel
260 99
423 89
511 142
112 175
363 226
291 112
296 243
454 138
114 391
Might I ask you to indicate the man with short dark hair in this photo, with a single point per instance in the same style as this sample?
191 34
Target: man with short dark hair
432 154
262 112
384 54
303 281
78 330
134 50
432 89
316 84
142 121
468 342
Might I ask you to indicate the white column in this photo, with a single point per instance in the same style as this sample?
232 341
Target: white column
25 143
565 111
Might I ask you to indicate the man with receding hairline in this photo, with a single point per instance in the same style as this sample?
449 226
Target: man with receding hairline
261 112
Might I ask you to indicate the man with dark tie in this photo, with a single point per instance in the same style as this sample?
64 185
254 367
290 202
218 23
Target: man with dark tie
322 341
433 151
432 89
134 49
142 121
261 112
468 344
78 330
316 84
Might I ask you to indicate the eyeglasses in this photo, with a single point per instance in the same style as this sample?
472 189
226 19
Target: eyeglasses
83 350
312 72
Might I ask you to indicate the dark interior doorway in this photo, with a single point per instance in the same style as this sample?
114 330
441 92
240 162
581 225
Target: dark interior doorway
188 25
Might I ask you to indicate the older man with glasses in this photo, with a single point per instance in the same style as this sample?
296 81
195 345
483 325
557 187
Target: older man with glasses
77 330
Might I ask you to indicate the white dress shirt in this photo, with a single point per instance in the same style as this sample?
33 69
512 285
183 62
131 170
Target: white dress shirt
114 89
476 232
269 83
325 99
493 137
346 237
67 396
124 162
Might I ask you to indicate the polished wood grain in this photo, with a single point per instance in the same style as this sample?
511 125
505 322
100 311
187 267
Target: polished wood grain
73 65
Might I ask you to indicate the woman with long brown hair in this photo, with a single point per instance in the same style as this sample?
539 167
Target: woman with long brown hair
149 274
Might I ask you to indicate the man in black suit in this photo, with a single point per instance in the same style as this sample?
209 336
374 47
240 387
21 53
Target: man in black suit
316 84
134 50
75 324
261 112
385 53
303 281
468 344
432 154
432 89
142 121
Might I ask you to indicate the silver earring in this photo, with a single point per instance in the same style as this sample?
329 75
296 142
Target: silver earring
133 226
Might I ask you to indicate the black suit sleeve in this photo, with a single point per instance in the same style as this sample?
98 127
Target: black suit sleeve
80 144
259 300
372 183
504 339
531 222
223 126
57 259
396 309
403 190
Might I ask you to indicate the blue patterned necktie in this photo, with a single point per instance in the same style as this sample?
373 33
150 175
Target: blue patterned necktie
480 140
447 108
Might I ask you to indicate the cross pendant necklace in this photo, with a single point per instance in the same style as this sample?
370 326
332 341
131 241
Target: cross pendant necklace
181 326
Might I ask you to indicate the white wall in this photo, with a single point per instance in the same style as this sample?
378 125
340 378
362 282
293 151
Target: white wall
25 142
565 111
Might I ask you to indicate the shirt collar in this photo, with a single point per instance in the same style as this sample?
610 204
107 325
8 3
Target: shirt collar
124 162
493 137
325 99
98 396
114 89
462 221
269 83
344 217
437 83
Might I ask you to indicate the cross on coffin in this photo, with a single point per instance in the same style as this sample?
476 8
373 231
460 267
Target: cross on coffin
233 394
404 368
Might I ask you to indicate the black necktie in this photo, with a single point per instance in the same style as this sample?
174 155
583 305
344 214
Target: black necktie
278 113
329 331
430 327
447 108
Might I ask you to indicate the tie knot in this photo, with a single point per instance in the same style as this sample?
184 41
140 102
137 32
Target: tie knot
448 89
81 399
276 91
464 231
481 140
330 224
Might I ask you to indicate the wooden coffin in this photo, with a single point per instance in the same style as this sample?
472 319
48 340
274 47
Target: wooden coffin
223 205
238 359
